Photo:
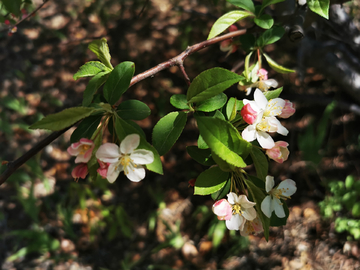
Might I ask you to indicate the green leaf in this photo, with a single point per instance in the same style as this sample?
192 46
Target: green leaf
264 21
320 7
245 4
101 49
90 69
133 109
224 140
93 85
13 6
212 103
167 131
275 66
266 3
210 181
86 128
270 36
211 83
63 119
261 163
201 143
123 128
273 94
179 101
118 81
258 196
222 192
203 156
226 20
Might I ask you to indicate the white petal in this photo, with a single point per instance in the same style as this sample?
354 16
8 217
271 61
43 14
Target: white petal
280 128
249 133
232 198
135 174
108 152
266 206
260 99
288 186
130 143
244 202
265 140
249 213
275 106
113 173
271 83
278 207
235 222
142 156
269 184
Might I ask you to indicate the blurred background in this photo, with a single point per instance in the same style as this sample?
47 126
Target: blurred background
49 221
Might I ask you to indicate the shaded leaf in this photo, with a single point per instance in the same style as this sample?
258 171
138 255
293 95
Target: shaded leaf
179 101
203 156
261 163
133 109
86 128
93 85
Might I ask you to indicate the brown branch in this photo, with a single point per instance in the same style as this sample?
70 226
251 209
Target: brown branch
176 61
30 14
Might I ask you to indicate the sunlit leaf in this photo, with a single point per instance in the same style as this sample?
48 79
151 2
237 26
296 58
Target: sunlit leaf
90 69
86 128
179 101
210 181
270 36
275 66
212 104
101 49
245 4
261 163
320 7
264 21
226 20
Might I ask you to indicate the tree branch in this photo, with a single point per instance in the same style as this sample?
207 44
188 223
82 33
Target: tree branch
176 61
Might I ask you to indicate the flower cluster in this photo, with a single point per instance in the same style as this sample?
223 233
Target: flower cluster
259 80
261 114
112 158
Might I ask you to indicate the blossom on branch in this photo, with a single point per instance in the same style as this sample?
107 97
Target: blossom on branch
125 158
266 120
288 110
252 227
82 150
241 211
80 171
279 152
272 202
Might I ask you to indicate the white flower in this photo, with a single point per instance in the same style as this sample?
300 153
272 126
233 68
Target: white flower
252 227
242 210
272 201
125 158
265 121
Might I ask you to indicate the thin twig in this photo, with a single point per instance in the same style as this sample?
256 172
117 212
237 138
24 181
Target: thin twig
176 61
30 14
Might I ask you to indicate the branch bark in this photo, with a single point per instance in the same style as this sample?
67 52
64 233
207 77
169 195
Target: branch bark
176 61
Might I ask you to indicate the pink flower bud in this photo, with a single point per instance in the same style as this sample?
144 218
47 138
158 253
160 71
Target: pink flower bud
279 152
82 150
192 182
288 110
222 209
248 114
262 73
233 28
7 22
103 169
80 171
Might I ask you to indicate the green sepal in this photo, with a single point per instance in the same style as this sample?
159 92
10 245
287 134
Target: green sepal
210 181
133 109
63 119
273 93
123 129
167 130
275 66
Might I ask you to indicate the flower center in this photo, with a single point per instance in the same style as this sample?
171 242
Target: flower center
272 108
236 209
278 193
126 162
84 148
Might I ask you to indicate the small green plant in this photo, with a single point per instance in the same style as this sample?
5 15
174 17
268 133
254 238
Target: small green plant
344 202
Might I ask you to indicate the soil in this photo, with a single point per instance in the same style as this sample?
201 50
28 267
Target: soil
165 225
